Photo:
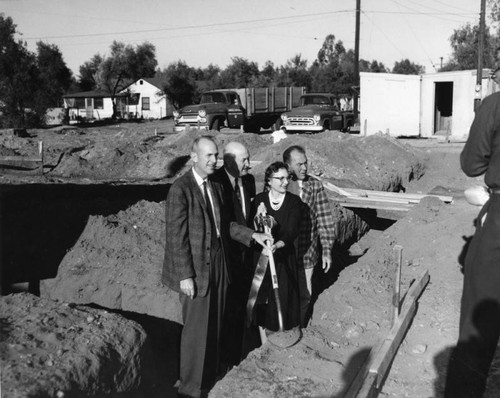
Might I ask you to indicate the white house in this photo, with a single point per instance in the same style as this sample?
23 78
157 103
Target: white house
428 105
92 105
146 99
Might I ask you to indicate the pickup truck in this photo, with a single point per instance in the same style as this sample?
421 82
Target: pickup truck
318 112
252 108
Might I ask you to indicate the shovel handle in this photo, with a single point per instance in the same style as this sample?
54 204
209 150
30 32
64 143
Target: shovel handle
274 279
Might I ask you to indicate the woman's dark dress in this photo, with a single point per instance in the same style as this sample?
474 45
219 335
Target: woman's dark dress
286 230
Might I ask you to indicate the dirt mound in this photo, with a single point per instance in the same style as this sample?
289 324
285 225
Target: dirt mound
53 349
116 263
133 152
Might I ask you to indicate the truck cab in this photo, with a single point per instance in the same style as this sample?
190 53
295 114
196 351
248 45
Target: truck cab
216 109
317 112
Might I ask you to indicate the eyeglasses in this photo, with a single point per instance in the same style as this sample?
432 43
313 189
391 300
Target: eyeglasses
282 179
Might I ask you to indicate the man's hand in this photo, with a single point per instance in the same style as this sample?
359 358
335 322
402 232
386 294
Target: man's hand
261 238
188 287
327 263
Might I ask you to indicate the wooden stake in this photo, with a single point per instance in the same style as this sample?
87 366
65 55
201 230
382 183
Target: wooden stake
398 258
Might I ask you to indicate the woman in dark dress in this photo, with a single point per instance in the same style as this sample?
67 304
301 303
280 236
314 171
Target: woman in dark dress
285 209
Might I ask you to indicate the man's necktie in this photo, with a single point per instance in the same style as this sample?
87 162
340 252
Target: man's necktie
237 189
240 197
209 205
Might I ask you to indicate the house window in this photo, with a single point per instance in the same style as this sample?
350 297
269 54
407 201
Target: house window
98 103
80 103
140 82
145 103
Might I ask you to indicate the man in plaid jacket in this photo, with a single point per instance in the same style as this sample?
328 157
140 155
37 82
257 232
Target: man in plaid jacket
317 230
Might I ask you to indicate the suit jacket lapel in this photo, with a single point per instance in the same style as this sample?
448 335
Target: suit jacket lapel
196 190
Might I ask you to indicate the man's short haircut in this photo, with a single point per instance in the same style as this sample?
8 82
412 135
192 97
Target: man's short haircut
288 152
199 138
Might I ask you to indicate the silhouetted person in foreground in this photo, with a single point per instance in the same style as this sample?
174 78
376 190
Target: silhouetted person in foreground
480 308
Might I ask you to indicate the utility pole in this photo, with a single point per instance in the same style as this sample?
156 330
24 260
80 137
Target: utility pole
479 77
356 60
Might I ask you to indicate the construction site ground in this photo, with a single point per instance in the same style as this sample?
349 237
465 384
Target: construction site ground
354 310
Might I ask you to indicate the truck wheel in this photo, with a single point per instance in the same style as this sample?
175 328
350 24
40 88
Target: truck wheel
326 125
215 125
347 128
277 124
252 128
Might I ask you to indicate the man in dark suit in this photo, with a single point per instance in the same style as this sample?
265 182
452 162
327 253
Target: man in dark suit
195 266
238 191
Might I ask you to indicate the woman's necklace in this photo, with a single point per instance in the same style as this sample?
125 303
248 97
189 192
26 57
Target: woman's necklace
276 203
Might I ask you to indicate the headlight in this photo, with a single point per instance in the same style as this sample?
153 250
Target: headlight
284 117
176 114
202 112
317 118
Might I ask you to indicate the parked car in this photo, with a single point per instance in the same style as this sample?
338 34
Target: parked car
318 112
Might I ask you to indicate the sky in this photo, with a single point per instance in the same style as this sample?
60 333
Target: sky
203 32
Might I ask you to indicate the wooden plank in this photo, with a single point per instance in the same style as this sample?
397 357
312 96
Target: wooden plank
382 199
384 357
17 158
369 379
362 379
417 288
369 388
370 204
24 162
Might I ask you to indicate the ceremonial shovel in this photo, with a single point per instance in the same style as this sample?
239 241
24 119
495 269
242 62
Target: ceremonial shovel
282 338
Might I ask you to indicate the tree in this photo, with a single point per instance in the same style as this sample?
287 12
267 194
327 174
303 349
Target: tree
88 72
465 43
406 67
18 79
331 51
180 85
373 66
267 76
239 74
208 77
295 73
54 77
333 70
125 64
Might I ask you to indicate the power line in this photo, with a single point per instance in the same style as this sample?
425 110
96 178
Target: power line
452 6
415 36
387 37
281 18
192 26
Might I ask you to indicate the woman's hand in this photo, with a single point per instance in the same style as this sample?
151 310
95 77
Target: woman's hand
278 245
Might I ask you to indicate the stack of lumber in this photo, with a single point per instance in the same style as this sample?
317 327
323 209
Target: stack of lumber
382 200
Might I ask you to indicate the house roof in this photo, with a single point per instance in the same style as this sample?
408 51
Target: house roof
154 81
93 94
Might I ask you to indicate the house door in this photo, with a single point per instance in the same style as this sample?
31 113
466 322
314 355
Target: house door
443 108
89 108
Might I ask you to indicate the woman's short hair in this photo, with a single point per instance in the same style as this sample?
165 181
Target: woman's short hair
271 169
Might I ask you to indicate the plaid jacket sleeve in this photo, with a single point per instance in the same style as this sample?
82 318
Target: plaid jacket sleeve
325 221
